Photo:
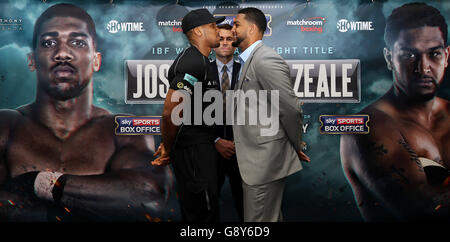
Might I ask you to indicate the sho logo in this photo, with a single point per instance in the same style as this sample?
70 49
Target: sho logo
114 26
344 25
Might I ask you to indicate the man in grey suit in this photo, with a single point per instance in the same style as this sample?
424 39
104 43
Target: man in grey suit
266 155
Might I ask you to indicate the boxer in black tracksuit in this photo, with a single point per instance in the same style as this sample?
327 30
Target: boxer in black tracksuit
190 146
194 157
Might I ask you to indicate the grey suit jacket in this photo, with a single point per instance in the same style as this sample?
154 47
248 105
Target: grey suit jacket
263 158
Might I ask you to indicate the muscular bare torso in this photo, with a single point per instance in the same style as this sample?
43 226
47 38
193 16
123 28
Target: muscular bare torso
384 168
31 146
430 141
108 176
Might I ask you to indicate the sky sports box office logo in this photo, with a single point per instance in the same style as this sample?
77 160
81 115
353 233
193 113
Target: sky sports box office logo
344 124
138 125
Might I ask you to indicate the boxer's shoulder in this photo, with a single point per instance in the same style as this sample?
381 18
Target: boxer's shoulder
442 106
384 133
382 117
9 114
8 118
101 116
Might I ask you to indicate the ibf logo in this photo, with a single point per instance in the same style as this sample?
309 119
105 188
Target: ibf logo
146 81
114 26
343 25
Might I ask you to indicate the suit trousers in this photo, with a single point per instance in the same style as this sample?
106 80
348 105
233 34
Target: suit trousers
195 168
230 168
262 203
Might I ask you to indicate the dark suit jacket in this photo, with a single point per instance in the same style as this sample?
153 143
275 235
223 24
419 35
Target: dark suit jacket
226 131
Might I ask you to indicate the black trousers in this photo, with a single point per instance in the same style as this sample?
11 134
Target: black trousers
195 168
230 168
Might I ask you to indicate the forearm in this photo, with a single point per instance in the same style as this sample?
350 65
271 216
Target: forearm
169 132
292 121
21 207
277 78
125 194
427 203
168 129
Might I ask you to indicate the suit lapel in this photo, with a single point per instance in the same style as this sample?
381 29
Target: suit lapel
244 70
246 65
236 69
215 73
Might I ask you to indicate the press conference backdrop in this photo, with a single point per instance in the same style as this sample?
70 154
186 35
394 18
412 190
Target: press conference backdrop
308 34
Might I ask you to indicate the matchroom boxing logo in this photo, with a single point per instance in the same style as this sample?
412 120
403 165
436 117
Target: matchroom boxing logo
313 24
175 24
115 26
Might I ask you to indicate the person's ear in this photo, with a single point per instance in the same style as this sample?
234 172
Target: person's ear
447 52
198 31
97 61
31 62
388 58
253 29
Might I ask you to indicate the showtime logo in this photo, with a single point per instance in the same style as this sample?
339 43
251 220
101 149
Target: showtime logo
175 24
344 25
115 26
313 24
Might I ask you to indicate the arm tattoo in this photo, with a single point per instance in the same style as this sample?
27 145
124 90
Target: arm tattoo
376 150
400 172
412 154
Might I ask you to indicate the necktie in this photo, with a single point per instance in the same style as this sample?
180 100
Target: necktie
225 85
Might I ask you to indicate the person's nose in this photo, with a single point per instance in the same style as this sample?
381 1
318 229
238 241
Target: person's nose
424 64
63 53
225 42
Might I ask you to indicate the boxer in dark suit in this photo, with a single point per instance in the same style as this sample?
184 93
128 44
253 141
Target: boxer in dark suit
227 72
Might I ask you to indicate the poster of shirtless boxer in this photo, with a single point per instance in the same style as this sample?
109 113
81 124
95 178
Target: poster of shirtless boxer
373 77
